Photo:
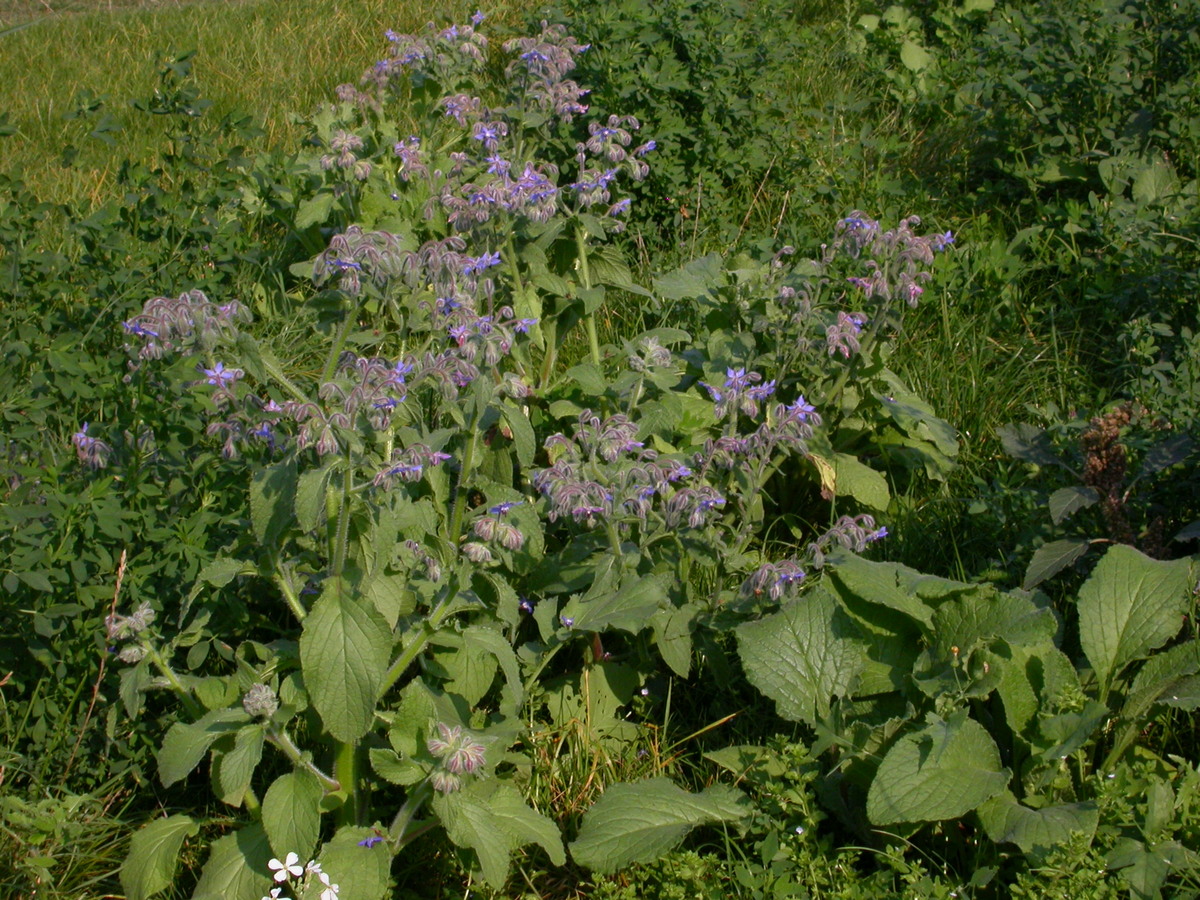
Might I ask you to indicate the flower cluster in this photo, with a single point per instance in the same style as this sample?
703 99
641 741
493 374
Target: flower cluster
126 632
603 473
894 258
92 452
288 873
460 754
189 323
851 532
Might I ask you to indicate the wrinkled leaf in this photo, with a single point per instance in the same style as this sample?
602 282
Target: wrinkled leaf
633 823
943 771
802 656
344 651
154 855
1069 500
1130 605
1050 559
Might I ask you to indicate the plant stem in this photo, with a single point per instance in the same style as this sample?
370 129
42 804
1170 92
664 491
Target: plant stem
585 275
408 812
287 746
345 768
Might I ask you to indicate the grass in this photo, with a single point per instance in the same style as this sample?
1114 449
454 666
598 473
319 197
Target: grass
252 55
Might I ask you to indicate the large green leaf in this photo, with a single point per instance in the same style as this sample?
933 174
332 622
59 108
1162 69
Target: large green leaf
233 770
237 867
1050 559
361 873
154 854
854 479
985 614
895 586
344 650
492 819
943 771
628 606
802 656
1130 605
633 823
291 813
272 501
1161 679
185 744
1036 831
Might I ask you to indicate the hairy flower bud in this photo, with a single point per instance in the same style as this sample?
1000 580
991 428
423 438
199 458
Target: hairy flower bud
260 701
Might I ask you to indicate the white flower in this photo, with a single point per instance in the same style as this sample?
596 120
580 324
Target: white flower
313 868
289 868
274 895
330 892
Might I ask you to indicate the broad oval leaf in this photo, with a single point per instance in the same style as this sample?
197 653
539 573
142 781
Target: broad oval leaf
344 652
1036 831
633 823
153 855
1050 559
802 656
1130 605
185 744
236 868
943 771
291 813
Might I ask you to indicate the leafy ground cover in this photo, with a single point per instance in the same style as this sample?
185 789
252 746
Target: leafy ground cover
544 453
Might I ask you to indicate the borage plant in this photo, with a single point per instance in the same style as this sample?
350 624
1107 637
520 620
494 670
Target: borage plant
432 569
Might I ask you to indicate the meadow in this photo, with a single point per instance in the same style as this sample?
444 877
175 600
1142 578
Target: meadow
656 449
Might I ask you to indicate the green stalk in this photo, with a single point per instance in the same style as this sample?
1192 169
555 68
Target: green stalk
345 770
585 275
287 746
408 812
460 495
335 351
189 702
285 588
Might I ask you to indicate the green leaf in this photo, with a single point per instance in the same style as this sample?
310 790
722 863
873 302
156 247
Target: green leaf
310 495
589 378
344 651
1036 831
1050 559
154 854
492 819
1130 605
185 744
1028 443
1069 500
1155 182
802 656
233 770
986 614
915 57
291 813
1162 679
628 607
860 481
943 771
237 866
673 635
693 279
272 501
360 873
314 211
524 439
635 823
895 586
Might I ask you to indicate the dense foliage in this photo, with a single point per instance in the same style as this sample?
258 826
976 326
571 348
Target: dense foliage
487 488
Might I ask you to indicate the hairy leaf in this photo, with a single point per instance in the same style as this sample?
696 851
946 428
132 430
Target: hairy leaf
802 656
344 651
291 813
1130 605
943 771
153 855
633 823
1050 559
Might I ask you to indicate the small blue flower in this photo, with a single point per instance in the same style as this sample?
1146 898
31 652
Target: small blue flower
501 508
567 621
371 841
